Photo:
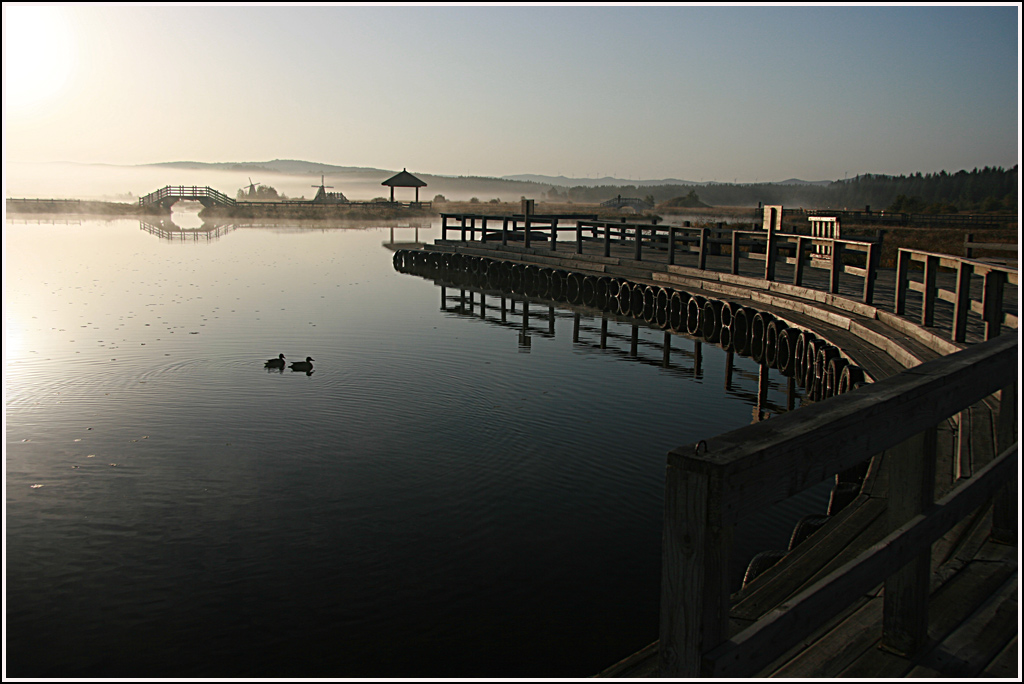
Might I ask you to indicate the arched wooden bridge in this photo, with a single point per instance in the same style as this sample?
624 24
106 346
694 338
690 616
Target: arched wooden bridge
169 194
634 202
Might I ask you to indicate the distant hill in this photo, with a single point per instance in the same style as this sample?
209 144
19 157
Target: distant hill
285 166
562 181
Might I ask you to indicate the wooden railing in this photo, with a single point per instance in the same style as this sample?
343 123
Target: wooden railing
712 485
970 245
196 192
770 248
990 306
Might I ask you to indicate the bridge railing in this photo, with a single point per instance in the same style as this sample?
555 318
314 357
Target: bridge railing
709 490
990 306
186 191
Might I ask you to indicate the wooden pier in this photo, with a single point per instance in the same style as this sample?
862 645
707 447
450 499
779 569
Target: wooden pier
911 580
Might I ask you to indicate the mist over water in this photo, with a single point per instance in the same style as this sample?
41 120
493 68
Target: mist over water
432 500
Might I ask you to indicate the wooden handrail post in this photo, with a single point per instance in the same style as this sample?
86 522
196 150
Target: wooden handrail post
734 258
798 261
968 251
962 305
1004 511
905 608
837 266
694 567
702 259
870 272
579 237
902 280
483 230
554 232
607 240
639 240
671 245
992 302
504 231
931 270
462 225
526 231
769 254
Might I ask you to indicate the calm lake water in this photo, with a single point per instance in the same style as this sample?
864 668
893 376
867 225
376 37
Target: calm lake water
434 500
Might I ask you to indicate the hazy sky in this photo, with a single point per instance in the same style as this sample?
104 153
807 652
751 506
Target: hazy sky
692 92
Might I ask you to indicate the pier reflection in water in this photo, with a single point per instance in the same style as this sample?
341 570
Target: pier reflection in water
431 501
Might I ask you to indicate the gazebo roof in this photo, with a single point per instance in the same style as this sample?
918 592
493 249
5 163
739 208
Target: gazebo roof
404 180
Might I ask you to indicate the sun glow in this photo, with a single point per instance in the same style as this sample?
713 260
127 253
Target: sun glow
38 54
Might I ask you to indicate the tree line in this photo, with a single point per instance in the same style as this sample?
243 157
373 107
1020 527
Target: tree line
991 189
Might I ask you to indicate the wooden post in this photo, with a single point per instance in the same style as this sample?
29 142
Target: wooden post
483 306
870 272
769 254
554 233
992 302
671 245
526 231
902 280
905 608
931 268
483 230
444 299
504 310
604 332
551 320
694 566
462 225
837 267
734 258
444 227
579 237
607 240
634 339
798 261
728 370
697 358
504 231
703 258
576 327
962 305
968 250
1004 511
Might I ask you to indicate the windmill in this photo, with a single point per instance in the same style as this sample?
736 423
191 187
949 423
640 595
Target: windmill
252 188
321 194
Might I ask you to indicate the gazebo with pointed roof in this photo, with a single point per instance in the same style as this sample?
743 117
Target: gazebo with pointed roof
404 180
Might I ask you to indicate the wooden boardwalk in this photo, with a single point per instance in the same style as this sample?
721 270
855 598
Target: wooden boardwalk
972 628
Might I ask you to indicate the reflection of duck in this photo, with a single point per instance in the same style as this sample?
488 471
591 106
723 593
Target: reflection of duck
304 366
275 363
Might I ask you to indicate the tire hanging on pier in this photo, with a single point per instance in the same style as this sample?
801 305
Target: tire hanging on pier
741 330
711 326
785 353
725 322
758 328
661 302
771 341
677 307
695 315
636 301
833 372
650 303
799 355
851 378
625 295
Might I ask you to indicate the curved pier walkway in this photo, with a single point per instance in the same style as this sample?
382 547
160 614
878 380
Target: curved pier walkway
951 609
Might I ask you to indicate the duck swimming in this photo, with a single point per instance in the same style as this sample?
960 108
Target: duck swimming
304 366
275 363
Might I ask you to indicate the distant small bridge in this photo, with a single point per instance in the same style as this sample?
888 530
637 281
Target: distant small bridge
168 195
633 202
